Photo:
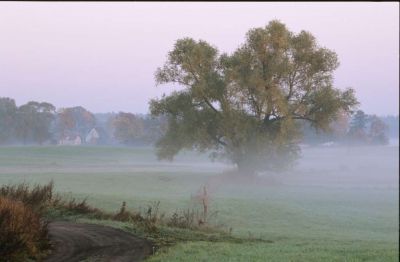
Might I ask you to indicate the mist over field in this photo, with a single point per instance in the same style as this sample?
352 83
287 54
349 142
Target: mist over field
337 201
329 189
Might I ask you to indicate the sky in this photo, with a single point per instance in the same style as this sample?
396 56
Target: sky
103 55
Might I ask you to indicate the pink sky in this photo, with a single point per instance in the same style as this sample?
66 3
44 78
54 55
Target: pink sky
103 55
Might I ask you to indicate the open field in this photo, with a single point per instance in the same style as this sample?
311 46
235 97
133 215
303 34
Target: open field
337 204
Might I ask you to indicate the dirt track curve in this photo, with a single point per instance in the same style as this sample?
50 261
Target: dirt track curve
76 242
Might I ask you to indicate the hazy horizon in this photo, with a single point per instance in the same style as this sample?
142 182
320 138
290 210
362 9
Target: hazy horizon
103 56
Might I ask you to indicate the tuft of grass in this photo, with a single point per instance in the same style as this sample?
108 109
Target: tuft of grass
62 207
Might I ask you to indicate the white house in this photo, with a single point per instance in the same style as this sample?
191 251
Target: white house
92 137
71 141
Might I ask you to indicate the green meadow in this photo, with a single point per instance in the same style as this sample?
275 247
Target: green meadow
336 204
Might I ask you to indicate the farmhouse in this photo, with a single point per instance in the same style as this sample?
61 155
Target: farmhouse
72 140
92 137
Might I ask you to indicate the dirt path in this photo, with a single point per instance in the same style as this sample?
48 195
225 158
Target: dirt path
88 242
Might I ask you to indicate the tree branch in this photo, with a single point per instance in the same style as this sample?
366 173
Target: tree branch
210 105
191 71
304 118
218 139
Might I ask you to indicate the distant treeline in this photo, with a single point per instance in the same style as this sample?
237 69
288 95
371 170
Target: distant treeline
41 123
356 129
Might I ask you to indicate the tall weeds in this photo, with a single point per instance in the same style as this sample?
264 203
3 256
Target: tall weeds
23 229
38 197
23 234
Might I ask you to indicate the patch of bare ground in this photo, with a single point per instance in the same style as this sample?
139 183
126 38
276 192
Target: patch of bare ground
89 242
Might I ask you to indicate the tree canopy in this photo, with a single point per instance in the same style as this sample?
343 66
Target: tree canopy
127 127
33 121
368 129
244 105
74 120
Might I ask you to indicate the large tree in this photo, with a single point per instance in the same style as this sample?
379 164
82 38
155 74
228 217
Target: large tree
244 105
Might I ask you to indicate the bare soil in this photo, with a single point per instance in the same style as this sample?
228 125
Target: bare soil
88 242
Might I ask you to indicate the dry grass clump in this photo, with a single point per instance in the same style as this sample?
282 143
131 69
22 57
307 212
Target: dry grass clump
38 197
150 218
23 231
23 234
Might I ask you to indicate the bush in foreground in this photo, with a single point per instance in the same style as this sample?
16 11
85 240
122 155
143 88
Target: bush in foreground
38 198
23 234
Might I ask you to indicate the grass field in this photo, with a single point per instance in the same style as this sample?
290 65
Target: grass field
337 204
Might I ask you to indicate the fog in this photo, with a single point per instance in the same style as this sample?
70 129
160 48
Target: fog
333 193
349 167
367 167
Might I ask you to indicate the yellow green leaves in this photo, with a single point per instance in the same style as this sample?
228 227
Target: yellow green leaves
248 102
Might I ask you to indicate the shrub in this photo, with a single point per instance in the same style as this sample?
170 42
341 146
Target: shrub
23 234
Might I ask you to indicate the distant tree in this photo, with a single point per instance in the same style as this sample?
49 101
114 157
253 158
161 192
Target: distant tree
368 129
358 127
377 131
66 120
154 128
8 112
359 121
34 121
337 131
105 128
244 106
127 128
76 120
392 122
109 128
